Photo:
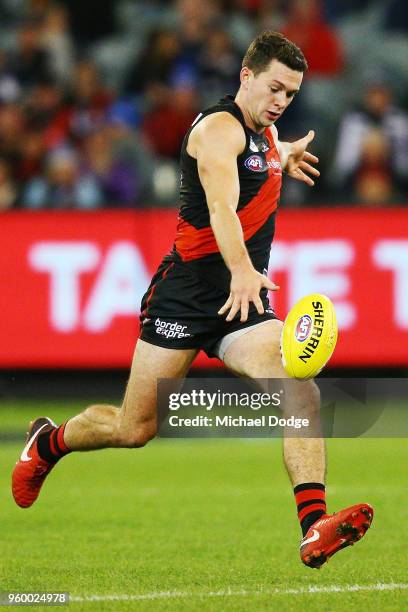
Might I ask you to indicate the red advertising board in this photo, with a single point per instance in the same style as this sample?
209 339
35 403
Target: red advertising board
71 282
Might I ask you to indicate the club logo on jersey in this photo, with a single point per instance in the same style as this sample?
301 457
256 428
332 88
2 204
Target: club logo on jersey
255 163
264 147
303 328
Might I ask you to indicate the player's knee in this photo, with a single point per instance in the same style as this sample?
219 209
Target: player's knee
139 436
309 399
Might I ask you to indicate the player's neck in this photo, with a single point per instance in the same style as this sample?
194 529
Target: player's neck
240 101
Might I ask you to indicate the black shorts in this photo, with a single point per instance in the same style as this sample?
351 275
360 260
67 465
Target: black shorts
179 311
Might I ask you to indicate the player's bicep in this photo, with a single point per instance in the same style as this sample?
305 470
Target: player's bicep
219 178
217 149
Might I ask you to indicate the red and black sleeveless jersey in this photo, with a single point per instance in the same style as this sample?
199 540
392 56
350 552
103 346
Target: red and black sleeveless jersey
260 178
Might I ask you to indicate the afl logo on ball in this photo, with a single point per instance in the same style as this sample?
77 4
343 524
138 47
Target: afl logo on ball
255 163
303 328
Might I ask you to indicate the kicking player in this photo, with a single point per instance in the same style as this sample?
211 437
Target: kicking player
210 293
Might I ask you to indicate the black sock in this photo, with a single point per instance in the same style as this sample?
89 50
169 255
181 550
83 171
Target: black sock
311 503
51 446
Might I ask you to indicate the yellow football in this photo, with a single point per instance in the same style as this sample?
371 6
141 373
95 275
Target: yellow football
309 336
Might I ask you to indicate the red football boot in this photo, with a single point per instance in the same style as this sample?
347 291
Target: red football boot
332 532
30 470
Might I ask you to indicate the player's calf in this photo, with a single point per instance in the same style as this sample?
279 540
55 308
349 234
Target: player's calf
136 436
104 426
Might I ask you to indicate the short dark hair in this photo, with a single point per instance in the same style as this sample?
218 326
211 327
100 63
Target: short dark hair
269 45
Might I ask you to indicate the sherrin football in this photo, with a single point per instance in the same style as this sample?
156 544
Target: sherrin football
309 336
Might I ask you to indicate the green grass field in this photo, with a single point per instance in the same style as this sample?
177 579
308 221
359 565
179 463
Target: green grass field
205 524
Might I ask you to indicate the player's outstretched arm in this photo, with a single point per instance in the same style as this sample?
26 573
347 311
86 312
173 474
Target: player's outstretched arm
296 161
216 143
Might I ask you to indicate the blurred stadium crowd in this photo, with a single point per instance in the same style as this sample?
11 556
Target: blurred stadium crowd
96 95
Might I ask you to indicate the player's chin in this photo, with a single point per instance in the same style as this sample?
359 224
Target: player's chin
265 123
268 124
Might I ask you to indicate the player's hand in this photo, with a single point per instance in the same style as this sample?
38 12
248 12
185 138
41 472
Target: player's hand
299 164
245 288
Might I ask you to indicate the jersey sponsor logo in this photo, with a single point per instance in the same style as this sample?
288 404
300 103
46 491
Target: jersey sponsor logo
255 163
171 330
275 166
303 328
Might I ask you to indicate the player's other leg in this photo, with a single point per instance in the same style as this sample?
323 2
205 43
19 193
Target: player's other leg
256 354
100 426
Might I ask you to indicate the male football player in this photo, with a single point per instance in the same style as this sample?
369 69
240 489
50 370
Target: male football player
210 293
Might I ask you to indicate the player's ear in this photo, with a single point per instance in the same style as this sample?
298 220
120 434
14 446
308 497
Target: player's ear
245 76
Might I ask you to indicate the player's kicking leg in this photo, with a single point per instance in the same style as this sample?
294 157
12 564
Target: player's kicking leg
256 354
100 426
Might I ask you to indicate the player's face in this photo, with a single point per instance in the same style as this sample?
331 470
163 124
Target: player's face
271 92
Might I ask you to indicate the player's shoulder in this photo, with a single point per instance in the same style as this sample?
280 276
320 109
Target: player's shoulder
220 121
220 128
